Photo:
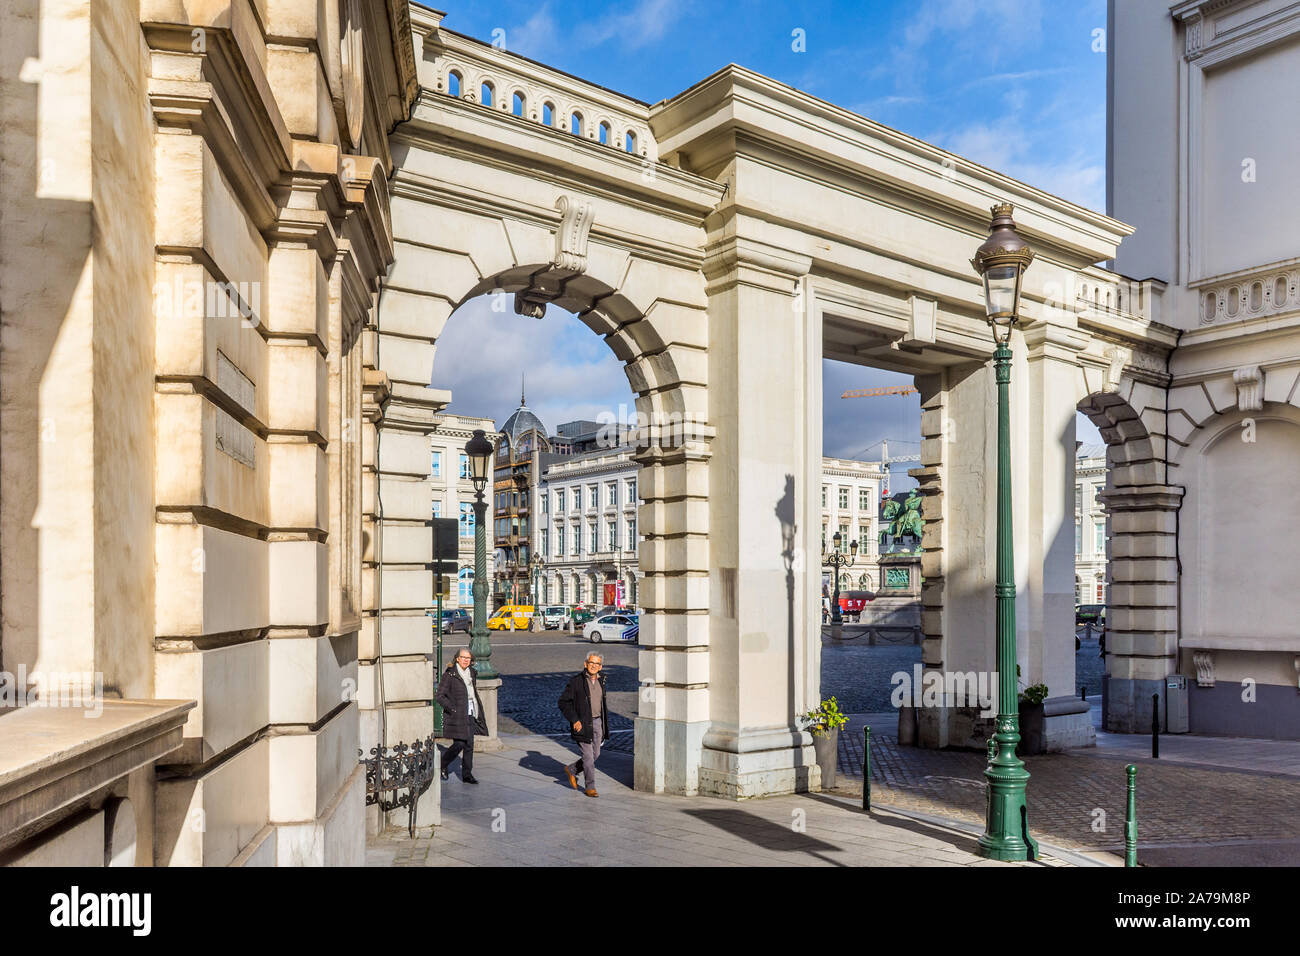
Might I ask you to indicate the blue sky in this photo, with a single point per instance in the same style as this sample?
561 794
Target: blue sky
1016 85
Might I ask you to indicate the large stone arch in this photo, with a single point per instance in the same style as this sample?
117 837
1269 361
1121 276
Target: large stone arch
651 312
1141 566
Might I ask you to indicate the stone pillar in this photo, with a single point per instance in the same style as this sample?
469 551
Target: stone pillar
1142 613
759 491
1045 595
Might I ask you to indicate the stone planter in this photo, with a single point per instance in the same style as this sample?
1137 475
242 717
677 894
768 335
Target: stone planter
827 747
1032 739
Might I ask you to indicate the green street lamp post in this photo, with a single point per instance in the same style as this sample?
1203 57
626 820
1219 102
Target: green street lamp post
1001 261
837 559
479 452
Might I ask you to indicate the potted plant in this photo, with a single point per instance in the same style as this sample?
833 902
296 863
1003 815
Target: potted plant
1032 740
825 723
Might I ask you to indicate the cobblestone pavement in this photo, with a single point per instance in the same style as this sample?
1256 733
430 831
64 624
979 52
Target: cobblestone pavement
523 813
1077 798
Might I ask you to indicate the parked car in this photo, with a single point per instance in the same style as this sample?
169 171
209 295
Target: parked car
612 627
1094 614
582 613
555 616
456 619
521 614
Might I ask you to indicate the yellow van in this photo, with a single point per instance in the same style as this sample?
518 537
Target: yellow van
522 614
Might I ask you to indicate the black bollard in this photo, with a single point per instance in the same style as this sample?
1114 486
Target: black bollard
1083 692
1155 726
866 768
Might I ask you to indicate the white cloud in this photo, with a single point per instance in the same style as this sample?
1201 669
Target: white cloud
644 23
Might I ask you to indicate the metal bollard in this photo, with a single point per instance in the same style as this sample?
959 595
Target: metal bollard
1130 820
1155 726
866 768
1083 692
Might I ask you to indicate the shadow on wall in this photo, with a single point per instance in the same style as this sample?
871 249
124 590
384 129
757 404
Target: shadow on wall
45 247
785 515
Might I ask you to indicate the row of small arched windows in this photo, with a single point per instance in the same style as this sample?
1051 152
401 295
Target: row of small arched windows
519 106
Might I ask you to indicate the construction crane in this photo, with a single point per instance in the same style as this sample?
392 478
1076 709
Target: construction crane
886 459
877 392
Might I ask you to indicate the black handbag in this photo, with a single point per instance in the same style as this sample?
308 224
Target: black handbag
480 722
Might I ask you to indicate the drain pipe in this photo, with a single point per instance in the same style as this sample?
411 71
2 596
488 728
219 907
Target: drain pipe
379 544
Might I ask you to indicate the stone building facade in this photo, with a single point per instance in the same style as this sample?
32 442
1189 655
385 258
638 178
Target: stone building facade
587 530
1090 551
1201 166
196 225
453 497
851 506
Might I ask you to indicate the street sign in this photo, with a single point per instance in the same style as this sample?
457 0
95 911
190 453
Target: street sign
446 544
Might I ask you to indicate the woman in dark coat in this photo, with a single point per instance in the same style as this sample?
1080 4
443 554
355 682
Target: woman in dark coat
462 714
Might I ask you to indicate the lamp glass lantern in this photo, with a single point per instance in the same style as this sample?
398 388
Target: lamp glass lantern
1001 261
479 451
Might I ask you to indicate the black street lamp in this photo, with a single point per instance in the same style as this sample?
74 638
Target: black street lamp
479 452
1001 261
837 559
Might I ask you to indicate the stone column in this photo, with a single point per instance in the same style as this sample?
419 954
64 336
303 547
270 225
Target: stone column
759 488
1045 602
1142 614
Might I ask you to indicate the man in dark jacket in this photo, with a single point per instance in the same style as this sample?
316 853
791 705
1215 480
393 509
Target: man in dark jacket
462 714
584 704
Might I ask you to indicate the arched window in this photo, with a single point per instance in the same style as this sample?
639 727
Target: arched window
630 142
485 93
465 586
518 104
548 114
604 134
575 124
453 83
559 586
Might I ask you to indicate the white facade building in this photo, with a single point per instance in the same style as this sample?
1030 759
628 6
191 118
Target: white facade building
453 497
1202 162
1089 525
587 528
851 506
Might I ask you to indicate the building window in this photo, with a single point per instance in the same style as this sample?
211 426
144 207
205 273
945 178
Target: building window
823 529
1078 590
823 496
631 534
577 539
1099 540
559 541
1078 539
466 520
844 499
612 489
612 528
864 500
464 466
595 539
593 496
864 540
436 470
1078 499
437 509
844 537
465 586
546 502
577 498
559 502
559 588
631 491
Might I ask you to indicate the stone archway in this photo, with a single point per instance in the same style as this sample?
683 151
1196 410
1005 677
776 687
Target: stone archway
1141 581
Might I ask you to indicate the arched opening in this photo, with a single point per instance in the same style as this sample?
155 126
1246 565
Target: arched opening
518 104
454 83
485 93
604 133
575 123
548 114
629 142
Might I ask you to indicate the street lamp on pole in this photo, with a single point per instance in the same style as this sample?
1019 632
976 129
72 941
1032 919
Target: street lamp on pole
1001 261
837 559
536 563
479 452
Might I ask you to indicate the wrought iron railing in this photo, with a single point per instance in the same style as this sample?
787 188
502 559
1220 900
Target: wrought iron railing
400 768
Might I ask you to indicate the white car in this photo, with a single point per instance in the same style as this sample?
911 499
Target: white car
611 627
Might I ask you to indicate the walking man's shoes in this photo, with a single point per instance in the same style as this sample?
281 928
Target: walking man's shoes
573 779
591 792
469 778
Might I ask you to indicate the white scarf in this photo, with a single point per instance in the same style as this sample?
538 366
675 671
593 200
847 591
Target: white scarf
464 674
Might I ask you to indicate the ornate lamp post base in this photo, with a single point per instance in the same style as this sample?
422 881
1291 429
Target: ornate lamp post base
1006 831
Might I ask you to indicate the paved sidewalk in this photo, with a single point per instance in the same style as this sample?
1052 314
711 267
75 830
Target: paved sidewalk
523 813
1207 800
